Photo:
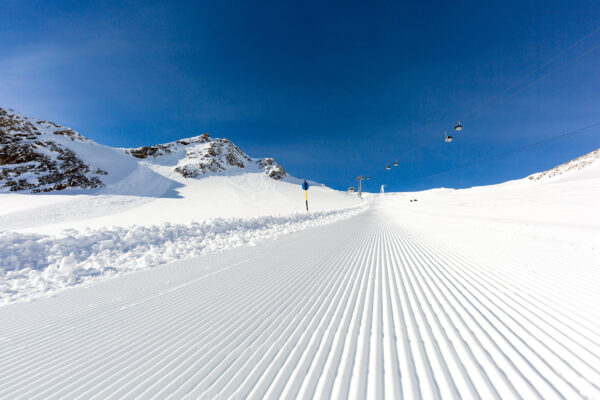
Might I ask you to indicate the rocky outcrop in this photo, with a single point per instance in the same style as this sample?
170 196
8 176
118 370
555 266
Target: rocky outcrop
576 164
273 169
168 148
30 158
216 156
201 155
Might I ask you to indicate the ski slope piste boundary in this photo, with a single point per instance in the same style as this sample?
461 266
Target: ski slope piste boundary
33 265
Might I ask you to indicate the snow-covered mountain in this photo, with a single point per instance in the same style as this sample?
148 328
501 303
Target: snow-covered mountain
586 166
41 156
201 155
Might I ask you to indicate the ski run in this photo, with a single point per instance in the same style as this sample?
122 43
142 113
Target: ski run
380 305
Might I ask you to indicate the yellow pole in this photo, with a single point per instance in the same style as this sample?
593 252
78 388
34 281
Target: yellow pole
306 196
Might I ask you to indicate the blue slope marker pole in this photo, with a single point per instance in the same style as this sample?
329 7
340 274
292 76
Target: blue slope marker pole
305 187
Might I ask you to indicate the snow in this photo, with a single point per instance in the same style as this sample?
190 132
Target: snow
167 201
584 167
35 264
96 156
223 286
394 302
567 210
78 238
157 205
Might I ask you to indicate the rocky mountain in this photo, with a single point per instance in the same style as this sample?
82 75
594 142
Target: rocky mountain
41 156
38 155
201 155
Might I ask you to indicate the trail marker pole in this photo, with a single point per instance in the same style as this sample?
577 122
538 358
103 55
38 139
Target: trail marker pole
305 187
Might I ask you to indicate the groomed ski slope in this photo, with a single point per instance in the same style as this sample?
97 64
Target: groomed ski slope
373 306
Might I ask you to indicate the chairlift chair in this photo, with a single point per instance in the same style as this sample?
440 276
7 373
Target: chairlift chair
458 127
395 163
388 167
447 138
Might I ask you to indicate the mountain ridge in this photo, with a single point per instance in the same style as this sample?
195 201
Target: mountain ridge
42 156
565 170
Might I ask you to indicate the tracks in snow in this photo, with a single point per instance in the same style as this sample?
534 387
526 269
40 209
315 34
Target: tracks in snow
359 309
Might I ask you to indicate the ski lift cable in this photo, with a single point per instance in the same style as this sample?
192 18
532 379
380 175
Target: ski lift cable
575 132
504 95
521 80
552 71
532 73
525 77
572 133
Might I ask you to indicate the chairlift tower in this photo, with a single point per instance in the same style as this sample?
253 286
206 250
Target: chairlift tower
360 178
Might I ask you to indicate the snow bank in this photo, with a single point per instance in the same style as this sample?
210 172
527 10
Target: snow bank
34 264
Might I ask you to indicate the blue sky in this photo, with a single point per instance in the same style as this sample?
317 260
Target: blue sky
330 89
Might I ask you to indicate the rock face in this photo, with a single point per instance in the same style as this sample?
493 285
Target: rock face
201 155
33 156
168 148
273 169
576 164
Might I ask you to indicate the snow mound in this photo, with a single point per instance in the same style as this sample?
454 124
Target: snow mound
33 264
584 167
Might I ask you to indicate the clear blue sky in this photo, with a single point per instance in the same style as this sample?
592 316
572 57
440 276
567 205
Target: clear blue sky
330 89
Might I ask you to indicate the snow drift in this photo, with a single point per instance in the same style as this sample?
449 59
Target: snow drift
33 264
